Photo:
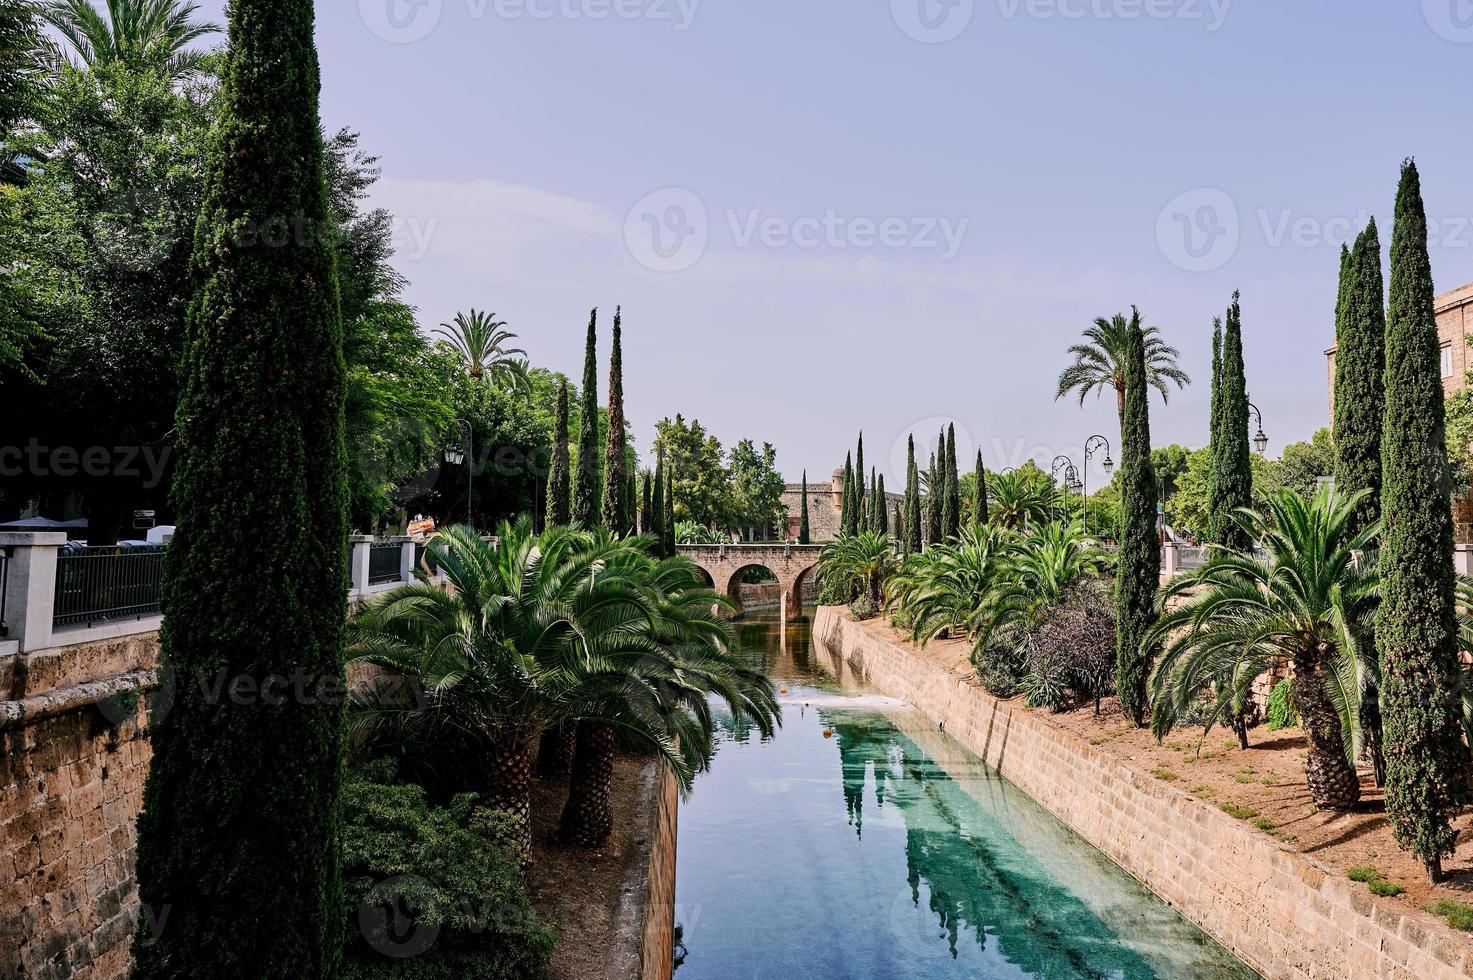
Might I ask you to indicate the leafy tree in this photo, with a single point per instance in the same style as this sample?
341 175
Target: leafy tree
1310 606
1360 376
1100 362
1417 631
1232 467
22 64
1035 571
261 426
1139 571
616 471
647 504
757 488
559 503
138 35
586 479
479 341
805 534
696 465
861 515
1302 465
936 494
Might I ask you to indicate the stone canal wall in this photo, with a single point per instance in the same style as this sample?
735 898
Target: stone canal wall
657 947
1277 910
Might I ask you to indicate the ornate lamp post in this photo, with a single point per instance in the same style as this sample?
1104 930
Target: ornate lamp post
1092 447
456 455
1260 440
1061 462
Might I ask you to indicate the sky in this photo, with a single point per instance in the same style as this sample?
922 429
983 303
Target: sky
821 217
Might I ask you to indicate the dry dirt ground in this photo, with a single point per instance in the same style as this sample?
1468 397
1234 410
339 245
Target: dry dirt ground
1263 785
587 895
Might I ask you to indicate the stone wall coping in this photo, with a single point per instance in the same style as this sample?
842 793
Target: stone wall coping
32 539
73 635
14 714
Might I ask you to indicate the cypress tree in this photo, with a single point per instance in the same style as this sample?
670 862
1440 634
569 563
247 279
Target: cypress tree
1232 465
951 506
646 512
882 513
616 466
1214 433
936 499
876 506
1417 628
805 535
656 527
631 503
912 500
669 548
899 529
861 516
1360 376
979 505
239 838
1139 570
586 485
848 519
558 503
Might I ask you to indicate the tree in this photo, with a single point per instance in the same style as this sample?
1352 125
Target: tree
882 510
616 469
859 564
757 488
696 464
848 519
668 524
479 342
22 63
655 526
945 588
1139 571
912 500
1360 376
1232 465
1417 631
805 534
261 429
1310 606
1100 363
951 505
559 503
861 516
139 35
647 505
1021 498
586 480
979 493
935 494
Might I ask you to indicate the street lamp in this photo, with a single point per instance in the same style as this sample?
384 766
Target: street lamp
1092 447
455 455
1260 440
1061 462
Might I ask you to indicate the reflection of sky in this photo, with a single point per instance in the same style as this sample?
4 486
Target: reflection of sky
860 857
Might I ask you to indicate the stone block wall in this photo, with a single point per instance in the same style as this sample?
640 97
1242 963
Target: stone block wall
657 948
1276 909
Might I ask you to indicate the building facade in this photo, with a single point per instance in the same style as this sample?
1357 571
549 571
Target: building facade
825 504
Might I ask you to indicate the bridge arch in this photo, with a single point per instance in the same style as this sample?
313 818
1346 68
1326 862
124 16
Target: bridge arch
725 564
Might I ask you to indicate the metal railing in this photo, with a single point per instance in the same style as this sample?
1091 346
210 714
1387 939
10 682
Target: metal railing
383 562
107 583
4 587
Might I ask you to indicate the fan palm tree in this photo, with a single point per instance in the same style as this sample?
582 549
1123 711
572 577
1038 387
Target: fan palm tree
1308 606
479 340
1018 501
859 563
942 589
1099 362
145 35
1033 575
689 532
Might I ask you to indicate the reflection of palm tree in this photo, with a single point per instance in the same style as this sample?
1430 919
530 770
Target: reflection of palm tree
1099 362
149 35
479 339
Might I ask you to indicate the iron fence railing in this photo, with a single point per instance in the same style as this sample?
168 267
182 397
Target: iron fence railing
4 587
107 583
383 562
1192 557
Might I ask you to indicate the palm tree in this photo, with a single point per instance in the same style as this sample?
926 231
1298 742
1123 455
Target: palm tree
859 563
689 532
1099 362
1033 576
1018 501
479 339
145 35
941 590
1308 606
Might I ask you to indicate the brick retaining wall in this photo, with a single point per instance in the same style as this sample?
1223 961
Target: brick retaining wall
1276 909
657 949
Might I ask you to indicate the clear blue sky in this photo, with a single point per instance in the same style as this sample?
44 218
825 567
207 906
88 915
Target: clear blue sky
1056 136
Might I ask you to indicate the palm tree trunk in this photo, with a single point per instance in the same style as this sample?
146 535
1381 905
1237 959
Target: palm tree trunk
555 751
508 788
1333 783
588 817
1370 720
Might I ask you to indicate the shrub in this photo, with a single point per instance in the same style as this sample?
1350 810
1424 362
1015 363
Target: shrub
1459 915
864 608
1000 663
1073 649
1281 706
1384 888
433 893
1364 873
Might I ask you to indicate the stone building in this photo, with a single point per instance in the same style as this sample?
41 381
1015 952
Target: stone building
1454 322
825 503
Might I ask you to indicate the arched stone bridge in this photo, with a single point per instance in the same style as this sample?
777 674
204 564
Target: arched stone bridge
791 564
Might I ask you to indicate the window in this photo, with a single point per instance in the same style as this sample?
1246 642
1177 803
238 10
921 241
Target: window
1447 360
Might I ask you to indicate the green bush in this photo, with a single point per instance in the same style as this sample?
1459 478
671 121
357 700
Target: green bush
1384 888
1281 707
1459 915
1363 873
432 892
864 608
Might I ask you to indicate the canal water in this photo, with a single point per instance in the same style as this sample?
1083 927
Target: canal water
862 844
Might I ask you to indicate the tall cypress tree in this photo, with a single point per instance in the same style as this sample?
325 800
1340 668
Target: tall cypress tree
935 500
586 484
861 516
1417 628
616 466
669 521
646 507
558 503
979 504
631 502
657 507
805 534
882 512
1139 571
848 519
239 837
1232 465
1214 433
912 500
951 506
899 529
876 506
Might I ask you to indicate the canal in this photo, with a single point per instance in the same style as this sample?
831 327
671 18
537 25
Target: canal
862 844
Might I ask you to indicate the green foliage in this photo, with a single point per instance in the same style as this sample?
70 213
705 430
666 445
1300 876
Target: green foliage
1140 549
1360 375
615 514
696 465
944 588
1033 576
1102 361
260 424
478 341
586 480
1301 467
1281 706
433 892
805 535
1386 889
951 500
140 36
864 607
1417 629
976 494
912 541
22 64
757 489
848 519
1459 915
1022 498
559 489
859 564
1231 485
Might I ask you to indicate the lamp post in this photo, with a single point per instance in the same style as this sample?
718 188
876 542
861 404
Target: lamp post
456 455
1061 462
1260 440
1092 447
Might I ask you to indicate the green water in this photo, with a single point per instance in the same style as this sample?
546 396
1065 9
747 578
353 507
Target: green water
886 851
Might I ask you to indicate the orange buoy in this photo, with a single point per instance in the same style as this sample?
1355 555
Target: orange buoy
828 733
